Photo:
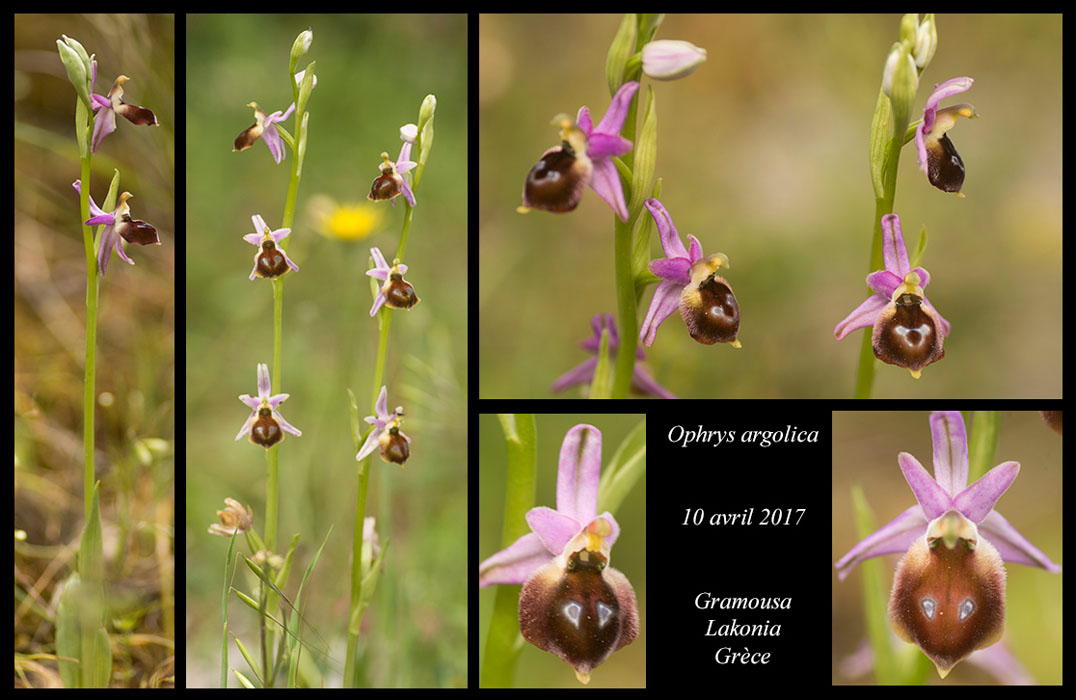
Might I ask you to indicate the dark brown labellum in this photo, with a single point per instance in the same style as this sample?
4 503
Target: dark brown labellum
945 169
711 312
386 186
137 231
266 431
394 446
949 601
907 334
556 182
399 294
583 614
1053 419
270 262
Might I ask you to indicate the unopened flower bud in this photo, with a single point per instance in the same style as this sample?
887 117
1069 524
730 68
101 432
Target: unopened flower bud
926 42
669 59
900 81
300 47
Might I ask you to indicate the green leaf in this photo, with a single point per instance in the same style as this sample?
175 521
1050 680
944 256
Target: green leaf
83 129
881 125
624 470
293 622
304 89
302 144
648 27
243 679
250 659
920 248
102 667
622 47
90 554
69 632
646 155
601 387
983 443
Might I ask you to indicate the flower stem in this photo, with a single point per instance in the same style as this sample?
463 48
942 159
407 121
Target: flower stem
626 310
882 205
92 288
502 647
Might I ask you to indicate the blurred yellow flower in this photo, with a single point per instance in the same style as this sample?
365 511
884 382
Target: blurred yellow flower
345 222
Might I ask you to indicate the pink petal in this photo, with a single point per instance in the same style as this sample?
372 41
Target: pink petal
950 451
932 497
578 473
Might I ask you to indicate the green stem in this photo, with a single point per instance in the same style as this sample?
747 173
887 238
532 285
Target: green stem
882 205
92 288
626 309
502 641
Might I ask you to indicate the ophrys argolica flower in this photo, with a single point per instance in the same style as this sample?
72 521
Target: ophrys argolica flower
584 157
118 224
108 107
265 426
907 330
937 157
391 182
690 281
948 592
263 127
395 292
573 604
393 445
270 261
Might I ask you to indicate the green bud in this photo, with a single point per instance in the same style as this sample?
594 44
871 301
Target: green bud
86 58
300 47
900 81
78 70
909 29
926 42
425 126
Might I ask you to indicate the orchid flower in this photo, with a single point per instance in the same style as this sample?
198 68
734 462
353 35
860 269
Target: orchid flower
263 127
583 374
671 59
264 424
391 182
585 157
118 224
937 157
233 519
954 544
270 261
690 282
908 331
573 604
394 446
395 292
108 107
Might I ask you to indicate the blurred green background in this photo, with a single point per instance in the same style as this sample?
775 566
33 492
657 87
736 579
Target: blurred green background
373 73
763 155
135 333
865 449
536 668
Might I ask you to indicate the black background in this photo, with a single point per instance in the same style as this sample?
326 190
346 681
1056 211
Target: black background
737 561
